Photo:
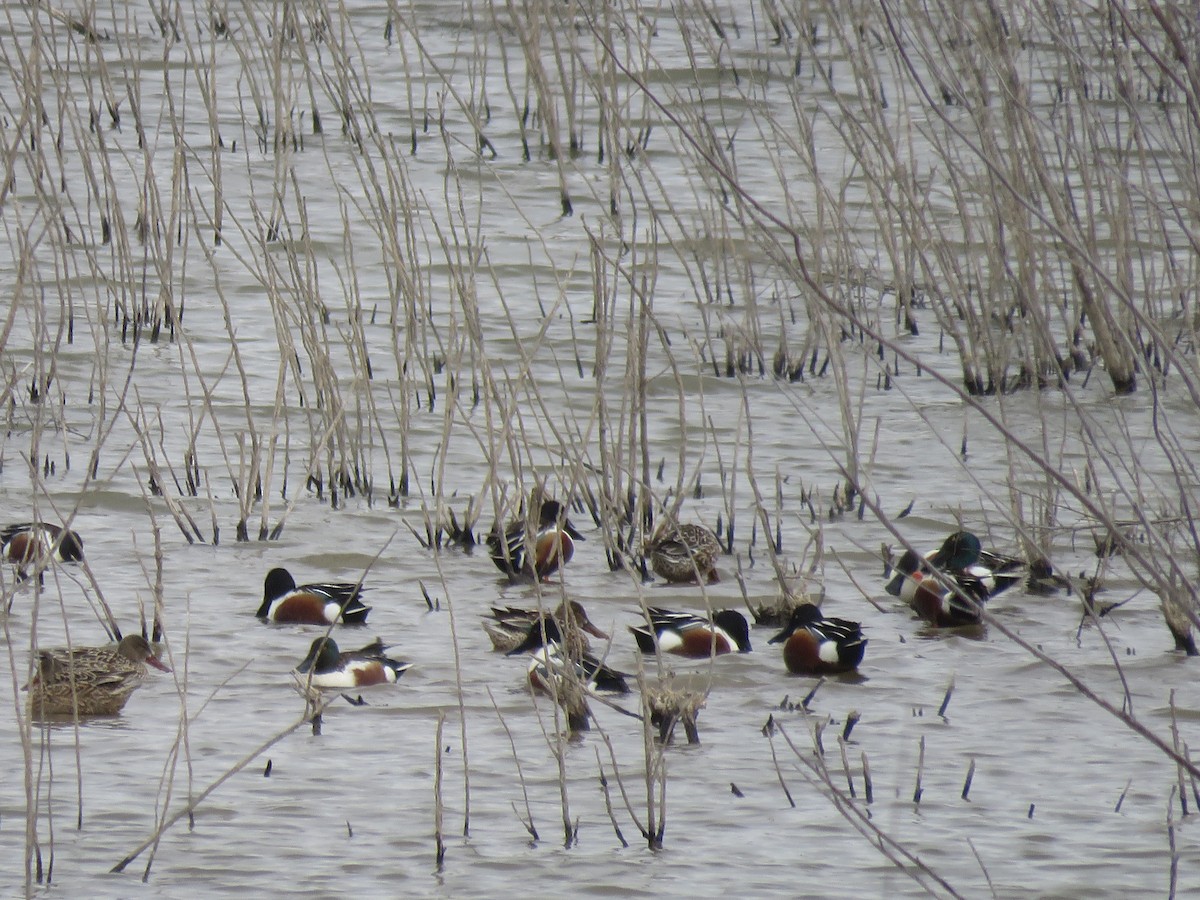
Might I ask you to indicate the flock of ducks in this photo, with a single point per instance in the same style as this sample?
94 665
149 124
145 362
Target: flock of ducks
329 603
947 588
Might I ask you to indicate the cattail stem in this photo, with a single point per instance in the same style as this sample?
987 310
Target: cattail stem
1173 878
769 732
809 696
946 699
868 788
608 807
852 718
1180 773
437 792
918 790
846 767
1124 793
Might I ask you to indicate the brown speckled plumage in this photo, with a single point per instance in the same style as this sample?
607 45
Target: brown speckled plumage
90 681
679 552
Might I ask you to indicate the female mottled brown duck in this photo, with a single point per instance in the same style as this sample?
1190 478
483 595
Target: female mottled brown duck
685 554
90 681
508 626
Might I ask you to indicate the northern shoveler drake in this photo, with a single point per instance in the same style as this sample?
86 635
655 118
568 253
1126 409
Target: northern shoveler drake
817 645
685 634
549 659
937 603
353 668
959 561
997 571
311 604
509 626
684 554
553 544
31 543
90 681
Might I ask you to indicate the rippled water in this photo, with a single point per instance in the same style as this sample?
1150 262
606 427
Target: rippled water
352 809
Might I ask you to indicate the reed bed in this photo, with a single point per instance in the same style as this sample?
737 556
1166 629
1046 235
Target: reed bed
348 257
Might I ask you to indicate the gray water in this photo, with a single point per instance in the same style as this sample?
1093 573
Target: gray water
352 809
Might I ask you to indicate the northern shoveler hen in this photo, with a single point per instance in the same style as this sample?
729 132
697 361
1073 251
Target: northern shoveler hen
553 544
685 634
685 554
958 559
816 645
1042 577
90 681
311 604
547 676
353 668
508 626
999 571
30 543
549 658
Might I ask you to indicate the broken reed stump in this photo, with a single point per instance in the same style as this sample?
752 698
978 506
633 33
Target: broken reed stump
669 706
967 781
846 767
946 699
868 786
918 790
1121 799
438 808
852 718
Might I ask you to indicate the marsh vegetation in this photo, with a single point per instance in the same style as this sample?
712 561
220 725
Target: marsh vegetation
336 287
